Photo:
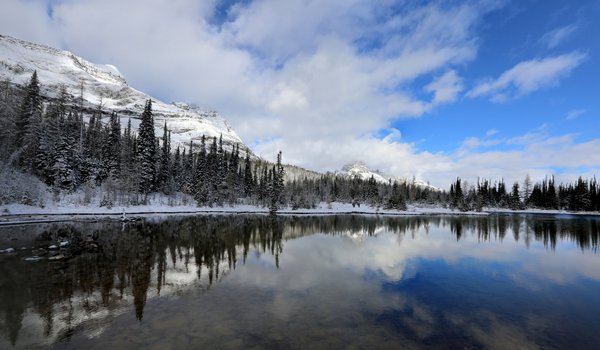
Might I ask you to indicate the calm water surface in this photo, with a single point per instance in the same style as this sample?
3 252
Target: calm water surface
229 282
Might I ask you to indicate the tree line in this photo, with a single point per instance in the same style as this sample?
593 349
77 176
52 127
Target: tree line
67 148
64 148
582 195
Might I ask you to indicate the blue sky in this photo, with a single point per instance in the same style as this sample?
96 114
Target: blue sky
511 35
432 89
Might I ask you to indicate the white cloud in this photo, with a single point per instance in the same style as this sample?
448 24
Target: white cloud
316 79
27 20
535 153
575 113
557 36
491 132
528 76
445 88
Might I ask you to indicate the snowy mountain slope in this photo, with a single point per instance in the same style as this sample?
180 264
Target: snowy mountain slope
360 170
104 85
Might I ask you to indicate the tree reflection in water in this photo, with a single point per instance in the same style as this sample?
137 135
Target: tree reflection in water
113 266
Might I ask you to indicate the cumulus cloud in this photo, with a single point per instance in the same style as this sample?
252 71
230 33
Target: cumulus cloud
319 80
317 65
528 76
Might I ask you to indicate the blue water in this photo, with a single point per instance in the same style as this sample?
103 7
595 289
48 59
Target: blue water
499 282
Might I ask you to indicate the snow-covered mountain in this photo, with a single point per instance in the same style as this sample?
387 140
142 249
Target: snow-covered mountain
104 85
360 170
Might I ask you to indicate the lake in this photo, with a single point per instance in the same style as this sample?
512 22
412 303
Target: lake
323 282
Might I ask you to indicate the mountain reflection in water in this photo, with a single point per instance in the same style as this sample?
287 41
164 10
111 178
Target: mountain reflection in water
423 281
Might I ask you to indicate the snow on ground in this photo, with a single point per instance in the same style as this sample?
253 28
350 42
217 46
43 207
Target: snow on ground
24 214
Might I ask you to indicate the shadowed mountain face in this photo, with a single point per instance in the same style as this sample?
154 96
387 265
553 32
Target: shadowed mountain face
243 281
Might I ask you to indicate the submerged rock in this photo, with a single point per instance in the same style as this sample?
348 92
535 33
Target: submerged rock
40 251
57 257
33 258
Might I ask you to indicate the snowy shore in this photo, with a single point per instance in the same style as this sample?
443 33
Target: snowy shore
24 214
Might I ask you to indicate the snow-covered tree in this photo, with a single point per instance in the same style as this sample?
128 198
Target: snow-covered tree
147 151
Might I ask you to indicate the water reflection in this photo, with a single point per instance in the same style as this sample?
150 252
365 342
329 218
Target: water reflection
111 271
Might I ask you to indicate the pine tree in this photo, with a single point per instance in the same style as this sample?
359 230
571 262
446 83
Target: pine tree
69 169
248 181
221 173
30 107
201 177
515 200
212 170
176 168
396 199
582 196
277 175
526 190
50 138
114 147
9 110
551 196
188 171
147 151
28 124
232 183
165 161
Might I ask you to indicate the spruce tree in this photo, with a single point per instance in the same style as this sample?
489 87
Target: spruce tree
28 125
201 176
276 188
212 169
165 161
127 162
70 170
176 169
147 151
248 182
30 107
551 196
188 171
48 145
396 199
114 147
221 179
515 200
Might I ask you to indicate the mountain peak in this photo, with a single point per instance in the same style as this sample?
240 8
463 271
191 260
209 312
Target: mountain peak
105 87
359 169
357 165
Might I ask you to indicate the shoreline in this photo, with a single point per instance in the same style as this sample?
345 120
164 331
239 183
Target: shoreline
27 215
